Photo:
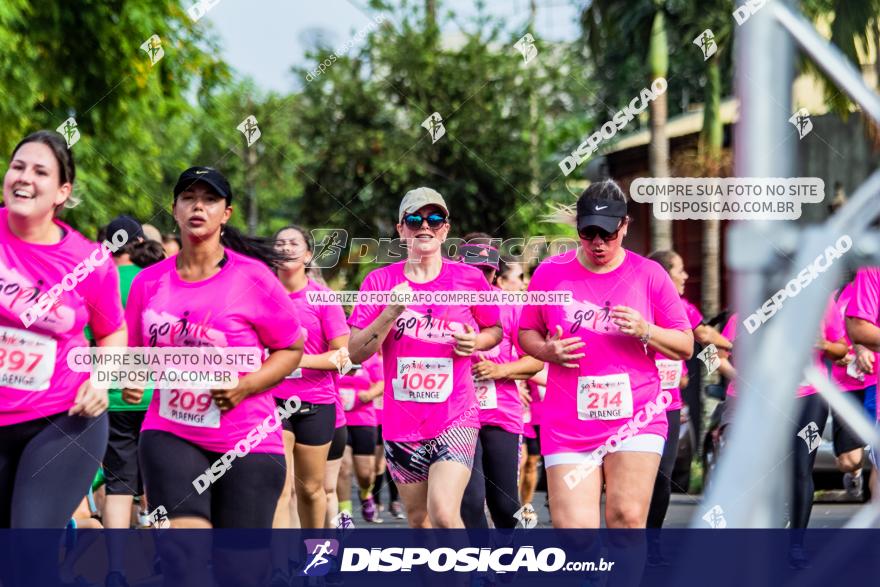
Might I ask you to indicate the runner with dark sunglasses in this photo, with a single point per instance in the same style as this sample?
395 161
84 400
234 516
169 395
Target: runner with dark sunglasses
431 414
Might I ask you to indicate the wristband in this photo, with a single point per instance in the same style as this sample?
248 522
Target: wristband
647 336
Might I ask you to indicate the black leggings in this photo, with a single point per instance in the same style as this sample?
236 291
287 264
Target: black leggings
244 497
46 468
663 483
813 409
494 479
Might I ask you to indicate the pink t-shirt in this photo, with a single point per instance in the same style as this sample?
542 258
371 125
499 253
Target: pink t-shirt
693 314
499 398
850 378
865 304
359 413
321 325
244 305
428 388
617 378
831 328
33 384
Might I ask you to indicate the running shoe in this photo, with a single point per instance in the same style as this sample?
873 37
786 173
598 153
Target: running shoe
853 485
369 512
396 510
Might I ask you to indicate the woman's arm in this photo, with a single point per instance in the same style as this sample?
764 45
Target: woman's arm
324 361
91 401
674 344
833 350
864 333
279 364
707 335
375 391
522 369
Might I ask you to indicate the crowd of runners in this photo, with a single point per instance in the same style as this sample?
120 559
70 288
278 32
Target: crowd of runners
455 409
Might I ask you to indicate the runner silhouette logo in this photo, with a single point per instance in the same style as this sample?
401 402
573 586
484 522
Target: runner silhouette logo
321 553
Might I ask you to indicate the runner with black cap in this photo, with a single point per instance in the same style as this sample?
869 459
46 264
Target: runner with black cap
218 291
604 415
430 421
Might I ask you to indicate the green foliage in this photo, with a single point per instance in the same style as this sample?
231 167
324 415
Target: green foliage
83 59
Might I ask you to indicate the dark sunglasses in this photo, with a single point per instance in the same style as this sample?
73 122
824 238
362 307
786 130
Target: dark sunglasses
590 232
414 221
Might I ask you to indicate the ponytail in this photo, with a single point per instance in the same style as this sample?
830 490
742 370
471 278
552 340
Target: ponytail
146 253
262 249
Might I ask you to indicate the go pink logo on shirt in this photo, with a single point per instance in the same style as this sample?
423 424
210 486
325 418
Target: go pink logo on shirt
181 330
590 316
18 294
426 327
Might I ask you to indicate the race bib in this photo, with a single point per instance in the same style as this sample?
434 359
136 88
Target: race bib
423 380
853 371
296 374
670 373
347 398
193 407
605 397
486 394
27 360
379 402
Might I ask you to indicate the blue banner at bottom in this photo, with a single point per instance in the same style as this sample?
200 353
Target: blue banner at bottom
365 557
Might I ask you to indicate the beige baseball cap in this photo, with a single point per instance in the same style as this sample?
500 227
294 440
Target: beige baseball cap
418 198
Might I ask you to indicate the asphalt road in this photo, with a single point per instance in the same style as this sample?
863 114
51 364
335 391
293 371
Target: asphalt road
826 514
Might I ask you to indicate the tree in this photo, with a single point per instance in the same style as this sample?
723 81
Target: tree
134 118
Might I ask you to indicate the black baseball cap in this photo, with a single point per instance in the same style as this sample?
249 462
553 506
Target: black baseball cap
210 176
131 227
606 214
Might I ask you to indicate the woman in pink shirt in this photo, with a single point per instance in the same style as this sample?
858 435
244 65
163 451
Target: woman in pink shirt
46 299
216 460
494 479
863 327
358 389
807 425
431 414
309 432
603 420
854 374
673 375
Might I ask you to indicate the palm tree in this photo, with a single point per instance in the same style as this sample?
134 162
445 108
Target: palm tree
605 23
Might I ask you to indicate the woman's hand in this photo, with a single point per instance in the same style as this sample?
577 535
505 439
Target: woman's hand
132 395
488 370
465 342
395 310
560 350
864 359
90 401
629 321
226 399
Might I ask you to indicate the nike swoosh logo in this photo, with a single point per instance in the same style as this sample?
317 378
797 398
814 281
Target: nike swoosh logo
600 208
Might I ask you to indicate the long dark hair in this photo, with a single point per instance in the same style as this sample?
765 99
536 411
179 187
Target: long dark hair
257 247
